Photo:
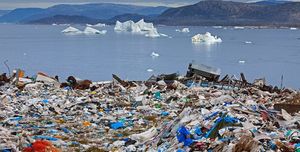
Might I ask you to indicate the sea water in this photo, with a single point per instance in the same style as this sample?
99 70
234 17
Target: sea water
258 53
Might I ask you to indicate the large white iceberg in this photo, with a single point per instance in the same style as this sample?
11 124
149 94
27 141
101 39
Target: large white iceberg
71 30
206 38
89 30
140 27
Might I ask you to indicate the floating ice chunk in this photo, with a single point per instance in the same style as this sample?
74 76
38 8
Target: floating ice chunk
96 25
206 38
99 25
54 24
217 27
89 30
153 33
71 30
184 30
164 35
140 27
150 70
128 26
293 28
154 55
242 62
239 27
248 42
145 26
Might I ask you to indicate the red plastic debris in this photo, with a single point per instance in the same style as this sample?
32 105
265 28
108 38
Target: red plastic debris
41 146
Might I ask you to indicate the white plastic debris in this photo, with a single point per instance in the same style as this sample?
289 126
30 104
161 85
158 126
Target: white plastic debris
144 136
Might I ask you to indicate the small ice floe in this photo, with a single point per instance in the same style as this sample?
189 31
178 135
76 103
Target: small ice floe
239 27
206 38
150 70
242 62
217 27
154 55
293 28
89 31
71 30
184 30
164 35
248 42
96 25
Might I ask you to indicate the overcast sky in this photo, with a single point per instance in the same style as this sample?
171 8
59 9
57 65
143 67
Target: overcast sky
11 4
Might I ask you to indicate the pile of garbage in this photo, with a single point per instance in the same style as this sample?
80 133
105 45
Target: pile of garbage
165 113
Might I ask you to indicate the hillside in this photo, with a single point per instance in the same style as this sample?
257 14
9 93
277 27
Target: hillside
232 13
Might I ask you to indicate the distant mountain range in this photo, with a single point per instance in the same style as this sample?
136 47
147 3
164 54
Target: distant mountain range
95 11
210 12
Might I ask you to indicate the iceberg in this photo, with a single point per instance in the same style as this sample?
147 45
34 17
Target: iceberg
248 42
89 30
184 30
154 55
96 25
153 33
206 38
99 25
150 70
71 30
239 27
128 26
293 28
242 62
140 27
145 26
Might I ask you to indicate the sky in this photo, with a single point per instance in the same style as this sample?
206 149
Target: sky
11 4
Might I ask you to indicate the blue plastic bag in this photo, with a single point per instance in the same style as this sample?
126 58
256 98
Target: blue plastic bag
182 134
116 125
